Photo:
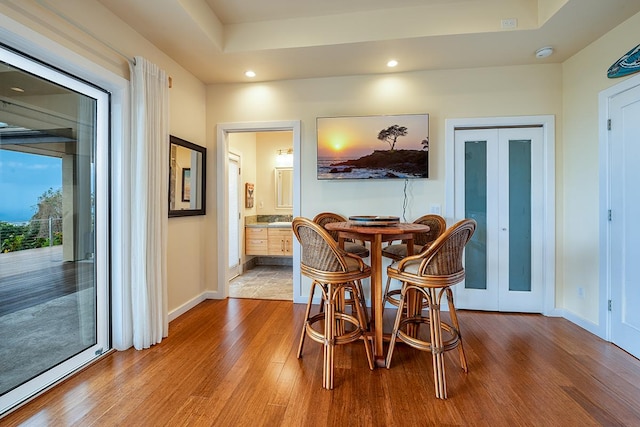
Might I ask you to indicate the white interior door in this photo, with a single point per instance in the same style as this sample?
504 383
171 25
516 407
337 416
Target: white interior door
624 179
234 216
499 182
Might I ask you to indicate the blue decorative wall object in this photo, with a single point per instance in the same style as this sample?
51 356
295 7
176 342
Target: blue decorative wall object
628 64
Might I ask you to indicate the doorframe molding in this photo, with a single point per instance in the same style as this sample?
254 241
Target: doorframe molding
604 286
222 134
547 122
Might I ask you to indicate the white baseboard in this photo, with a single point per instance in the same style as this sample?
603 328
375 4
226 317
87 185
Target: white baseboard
556 312
174 314
214 295
573 318
584 324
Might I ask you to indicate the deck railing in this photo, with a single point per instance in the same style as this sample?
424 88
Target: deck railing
35 233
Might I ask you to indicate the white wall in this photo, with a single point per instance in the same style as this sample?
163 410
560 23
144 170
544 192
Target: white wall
244 145
268 144
584 76
187 236
568 91
498 91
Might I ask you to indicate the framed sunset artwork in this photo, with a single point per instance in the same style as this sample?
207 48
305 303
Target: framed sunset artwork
373 147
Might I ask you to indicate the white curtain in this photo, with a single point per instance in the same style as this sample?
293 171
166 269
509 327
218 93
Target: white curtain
148 202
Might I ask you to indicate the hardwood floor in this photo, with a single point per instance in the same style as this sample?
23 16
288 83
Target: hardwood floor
233 363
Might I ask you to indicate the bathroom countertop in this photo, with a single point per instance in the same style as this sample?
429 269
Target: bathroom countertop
269 225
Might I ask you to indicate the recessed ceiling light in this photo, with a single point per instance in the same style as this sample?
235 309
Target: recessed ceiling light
543 52
17 89
250 73
392 63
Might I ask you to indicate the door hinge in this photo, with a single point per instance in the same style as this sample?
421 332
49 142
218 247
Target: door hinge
609 305
609 215
239 173
609 124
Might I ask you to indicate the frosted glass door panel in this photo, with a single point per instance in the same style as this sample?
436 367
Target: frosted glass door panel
520 215
475 184
476 180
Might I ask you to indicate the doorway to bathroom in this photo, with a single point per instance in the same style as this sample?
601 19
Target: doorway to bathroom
260 199
260 259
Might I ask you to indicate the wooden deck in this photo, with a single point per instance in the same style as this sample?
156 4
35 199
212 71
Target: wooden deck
34 276
233 363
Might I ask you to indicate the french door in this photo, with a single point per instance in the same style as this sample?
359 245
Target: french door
499 182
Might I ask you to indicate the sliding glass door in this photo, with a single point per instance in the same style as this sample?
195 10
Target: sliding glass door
53 226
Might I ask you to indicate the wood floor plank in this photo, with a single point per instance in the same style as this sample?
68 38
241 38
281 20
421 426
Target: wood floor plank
233 363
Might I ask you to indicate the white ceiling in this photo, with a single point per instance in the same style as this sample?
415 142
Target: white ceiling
217 40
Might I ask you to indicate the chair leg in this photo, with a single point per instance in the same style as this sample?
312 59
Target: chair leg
340 306
354 289
413 309
363 304
456 325
303 334
386 291
396 326
437 350
329 344
361 314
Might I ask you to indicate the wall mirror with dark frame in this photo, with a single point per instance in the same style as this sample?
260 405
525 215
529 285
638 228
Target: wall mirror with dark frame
187 178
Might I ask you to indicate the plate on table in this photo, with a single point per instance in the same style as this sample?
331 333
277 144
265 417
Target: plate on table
373 220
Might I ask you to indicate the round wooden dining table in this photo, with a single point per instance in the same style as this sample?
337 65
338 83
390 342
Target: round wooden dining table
376 235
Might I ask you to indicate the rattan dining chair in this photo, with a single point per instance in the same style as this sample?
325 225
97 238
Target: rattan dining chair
432 273
333 271
350 246
397 251
356 248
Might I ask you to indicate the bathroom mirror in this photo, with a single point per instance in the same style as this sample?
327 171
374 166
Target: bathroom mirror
187 178
284 188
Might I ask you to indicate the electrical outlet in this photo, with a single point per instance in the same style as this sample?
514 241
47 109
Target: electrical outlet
581 293
435 209
509 24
